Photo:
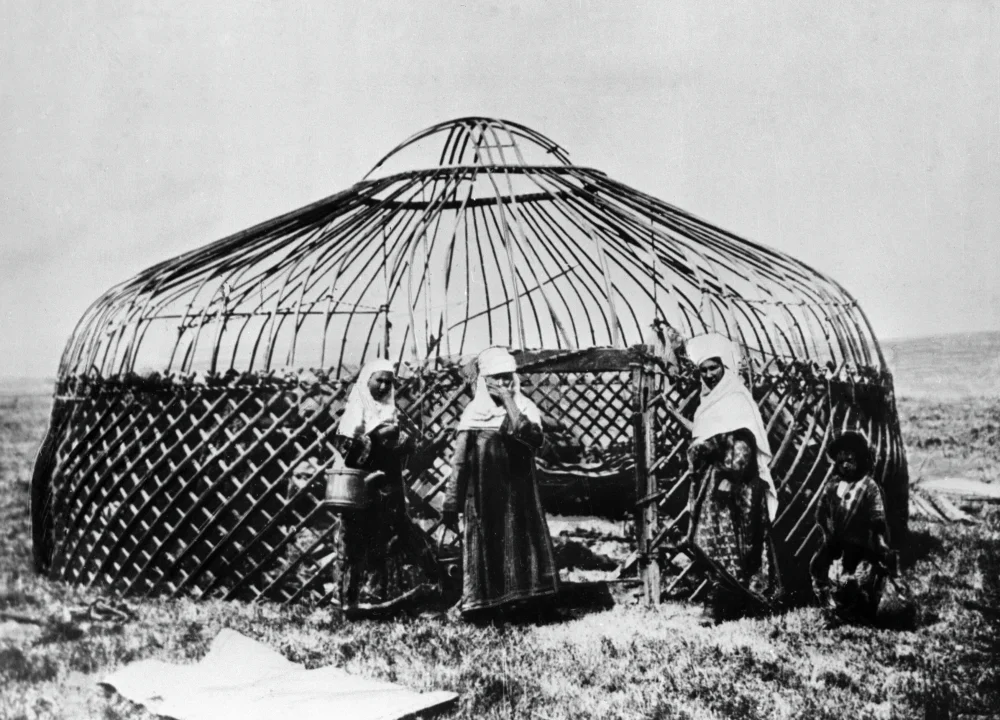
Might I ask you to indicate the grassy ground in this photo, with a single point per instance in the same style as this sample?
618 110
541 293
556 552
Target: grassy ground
958 437
628 662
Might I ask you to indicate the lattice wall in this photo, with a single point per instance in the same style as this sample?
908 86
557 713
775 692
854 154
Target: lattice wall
184 489
804 407
213 489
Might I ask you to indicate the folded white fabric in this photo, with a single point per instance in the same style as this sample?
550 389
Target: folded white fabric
242 678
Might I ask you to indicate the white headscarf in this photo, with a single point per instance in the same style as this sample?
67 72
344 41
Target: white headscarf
482 412
363 413
729 406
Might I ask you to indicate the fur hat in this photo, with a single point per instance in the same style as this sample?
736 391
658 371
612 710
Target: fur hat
856 443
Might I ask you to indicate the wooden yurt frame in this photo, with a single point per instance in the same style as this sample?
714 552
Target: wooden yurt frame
196 403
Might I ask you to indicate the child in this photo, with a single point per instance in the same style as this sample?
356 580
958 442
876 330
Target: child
851 515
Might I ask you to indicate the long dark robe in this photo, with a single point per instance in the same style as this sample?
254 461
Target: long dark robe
729 512
852 524
507 551
387 558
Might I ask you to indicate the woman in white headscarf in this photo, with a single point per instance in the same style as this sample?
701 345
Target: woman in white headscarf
387 560
733 498
508 555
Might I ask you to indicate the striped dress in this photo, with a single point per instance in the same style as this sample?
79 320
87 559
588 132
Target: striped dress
729 515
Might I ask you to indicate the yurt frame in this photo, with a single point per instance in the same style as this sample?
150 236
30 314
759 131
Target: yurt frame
193 464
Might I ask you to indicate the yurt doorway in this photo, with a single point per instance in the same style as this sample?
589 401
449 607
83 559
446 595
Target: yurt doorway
602 427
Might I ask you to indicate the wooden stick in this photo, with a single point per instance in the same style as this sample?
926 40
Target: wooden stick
21 618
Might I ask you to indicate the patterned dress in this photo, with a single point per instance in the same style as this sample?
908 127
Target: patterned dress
507 551
387 559
850 567
729 516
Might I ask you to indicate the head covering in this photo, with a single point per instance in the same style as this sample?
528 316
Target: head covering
713 345
729 406
856 443
363 413
482 412
496 361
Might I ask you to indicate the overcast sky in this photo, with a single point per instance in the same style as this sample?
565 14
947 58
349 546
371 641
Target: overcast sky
863 138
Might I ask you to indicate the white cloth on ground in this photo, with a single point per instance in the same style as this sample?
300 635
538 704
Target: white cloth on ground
242 679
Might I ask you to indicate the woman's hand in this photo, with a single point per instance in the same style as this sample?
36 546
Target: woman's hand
505 397
888 559
698 455
496 388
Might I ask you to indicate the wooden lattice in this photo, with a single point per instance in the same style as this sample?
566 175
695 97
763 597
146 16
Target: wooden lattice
195 490
191 489
804 408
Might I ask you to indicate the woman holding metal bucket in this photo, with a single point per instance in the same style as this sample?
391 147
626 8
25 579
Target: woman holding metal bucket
388 561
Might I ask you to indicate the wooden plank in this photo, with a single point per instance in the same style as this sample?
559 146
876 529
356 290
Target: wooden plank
938 507
646 515
962 487
921 507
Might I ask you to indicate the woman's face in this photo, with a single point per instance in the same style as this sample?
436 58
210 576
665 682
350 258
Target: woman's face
711 372
379 384
845 464
496 383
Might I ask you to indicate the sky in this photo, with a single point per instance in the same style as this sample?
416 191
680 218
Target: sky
862 138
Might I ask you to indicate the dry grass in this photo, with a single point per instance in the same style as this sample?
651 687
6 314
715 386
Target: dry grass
957 438
627 662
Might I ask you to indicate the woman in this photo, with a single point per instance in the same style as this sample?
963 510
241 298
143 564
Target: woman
508 556
733 499
851 515
388 560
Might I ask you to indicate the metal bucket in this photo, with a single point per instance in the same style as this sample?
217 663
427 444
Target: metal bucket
345 488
